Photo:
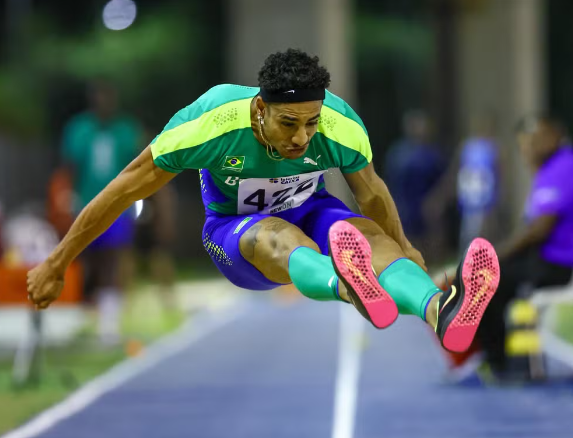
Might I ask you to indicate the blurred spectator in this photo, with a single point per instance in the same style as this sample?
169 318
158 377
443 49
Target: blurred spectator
97 145
473 181
541 253
478 182
27 239
413 165
1 221
155 236
60 201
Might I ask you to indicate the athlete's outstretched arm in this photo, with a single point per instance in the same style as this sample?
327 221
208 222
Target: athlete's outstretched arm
375 202
140 179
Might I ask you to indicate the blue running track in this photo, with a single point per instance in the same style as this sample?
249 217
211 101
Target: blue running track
271 373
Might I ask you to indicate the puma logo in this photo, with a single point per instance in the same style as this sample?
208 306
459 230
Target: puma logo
311 161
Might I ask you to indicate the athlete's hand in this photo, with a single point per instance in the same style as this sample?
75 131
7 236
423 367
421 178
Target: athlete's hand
45 284
416 256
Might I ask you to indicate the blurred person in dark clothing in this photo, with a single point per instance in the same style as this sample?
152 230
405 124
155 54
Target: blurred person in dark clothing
413 166
154 239
473 182
541 252
97 144
155 231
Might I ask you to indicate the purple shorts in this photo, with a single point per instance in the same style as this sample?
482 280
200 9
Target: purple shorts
221 236
119 235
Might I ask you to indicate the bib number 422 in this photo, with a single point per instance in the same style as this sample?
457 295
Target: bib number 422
279 197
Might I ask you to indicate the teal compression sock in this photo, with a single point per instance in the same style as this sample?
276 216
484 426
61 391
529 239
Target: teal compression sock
409 286
313 274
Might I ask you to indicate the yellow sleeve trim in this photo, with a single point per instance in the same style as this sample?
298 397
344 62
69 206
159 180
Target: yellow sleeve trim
208 126
344 131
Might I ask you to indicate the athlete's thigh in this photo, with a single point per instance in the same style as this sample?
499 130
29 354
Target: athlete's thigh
318 214
385 249
240 246
322 210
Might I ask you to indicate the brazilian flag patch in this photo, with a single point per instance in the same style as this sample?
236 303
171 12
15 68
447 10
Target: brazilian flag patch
234 163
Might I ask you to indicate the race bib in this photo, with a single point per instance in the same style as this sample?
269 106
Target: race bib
273 195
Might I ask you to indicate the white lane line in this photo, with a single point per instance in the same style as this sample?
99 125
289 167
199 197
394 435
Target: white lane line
190 333
348 373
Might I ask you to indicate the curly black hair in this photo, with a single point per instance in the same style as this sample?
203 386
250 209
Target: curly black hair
293 69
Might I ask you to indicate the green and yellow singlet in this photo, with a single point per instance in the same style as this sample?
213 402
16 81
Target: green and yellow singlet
214 135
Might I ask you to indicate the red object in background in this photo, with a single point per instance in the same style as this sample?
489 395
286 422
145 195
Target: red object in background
13 280
459 359
13 285
1 249
60 195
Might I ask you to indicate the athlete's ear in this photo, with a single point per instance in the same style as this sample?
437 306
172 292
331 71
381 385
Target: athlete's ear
261 106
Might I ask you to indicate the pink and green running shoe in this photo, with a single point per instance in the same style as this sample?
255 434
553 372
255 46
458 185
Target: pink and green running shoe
352 259
461 308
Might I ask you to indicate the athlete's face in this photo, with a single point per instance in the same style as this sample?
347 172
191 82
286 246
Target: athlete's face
288 127
536 146
103 99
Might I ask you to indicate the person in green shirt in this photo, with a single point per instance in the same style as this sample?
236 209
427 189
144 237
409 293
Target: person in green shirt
97 144
261 153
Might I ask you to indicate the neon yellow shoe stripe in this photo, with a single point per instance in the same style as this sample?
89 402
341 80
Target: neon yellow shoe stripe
450 298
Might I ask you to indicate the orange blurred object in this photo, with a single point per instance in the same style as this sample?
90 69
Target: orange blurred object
287 294
59 206
13 285
134 348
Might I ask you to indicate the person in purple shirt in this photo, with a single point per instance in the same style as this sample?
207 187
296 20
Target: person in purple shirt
541 252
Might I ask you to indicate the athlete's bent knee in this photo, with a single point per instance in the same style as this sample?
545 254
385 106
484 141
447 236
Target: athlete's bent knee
272 240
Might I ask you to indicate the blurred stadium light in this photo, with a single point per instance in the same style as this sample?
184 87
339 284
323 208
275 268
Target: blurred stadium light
119 14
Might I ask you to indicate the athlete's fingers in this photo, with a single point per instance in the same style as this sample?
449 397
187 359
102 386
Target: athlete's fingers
43 305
